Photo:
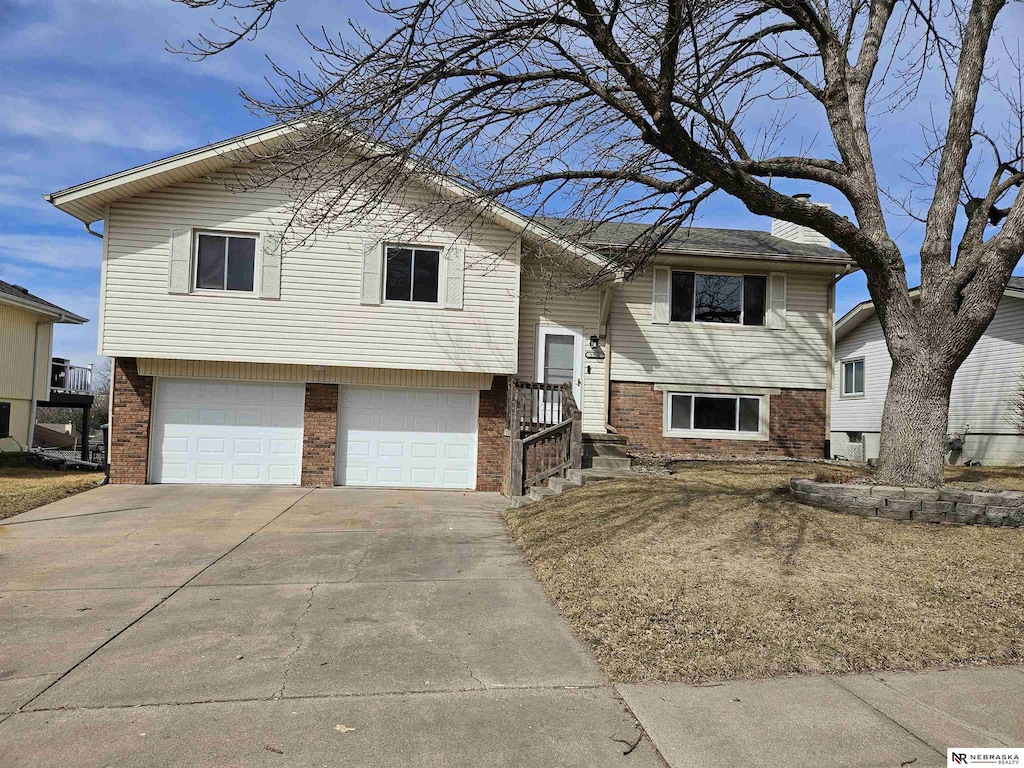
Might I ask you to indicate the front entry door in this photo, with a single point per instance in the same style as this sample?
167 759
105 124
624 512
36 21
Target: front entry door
559 360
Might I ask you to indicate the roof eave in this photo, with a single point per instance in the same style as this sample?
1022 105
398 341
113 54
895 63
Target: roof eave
72 199
833 261
59 315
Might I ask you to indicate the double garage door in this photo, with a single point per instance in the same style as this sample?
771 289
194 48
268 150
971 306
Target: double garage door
210 431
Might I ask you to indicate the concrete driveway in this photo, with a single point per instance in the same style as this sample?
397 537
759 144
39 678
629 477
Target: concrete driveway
188 626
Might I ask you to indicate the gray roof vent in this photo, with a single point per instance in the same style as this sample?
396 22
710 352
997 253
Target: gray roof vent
21 288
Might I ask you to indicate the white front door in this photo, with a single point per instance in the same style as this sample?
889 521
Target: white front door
209 431
407 438
559 360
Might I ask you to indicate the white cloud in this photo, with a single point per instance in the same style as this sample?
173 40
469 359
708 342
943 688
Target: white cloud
54 251
76 116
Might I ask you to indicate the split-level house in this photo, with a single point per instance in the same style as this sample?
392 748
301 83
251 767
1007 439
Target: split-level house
30 377
986 420
355 358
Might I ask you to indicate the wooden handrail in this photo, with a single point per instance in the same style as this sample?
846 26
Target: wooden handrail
538 449
538 436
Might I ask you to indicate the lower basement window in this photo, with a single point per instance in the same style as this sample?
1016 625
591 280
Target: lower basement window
695 414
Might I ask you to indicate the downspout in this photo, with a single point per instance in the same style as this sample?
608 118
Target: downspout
35 379
831 356
91 231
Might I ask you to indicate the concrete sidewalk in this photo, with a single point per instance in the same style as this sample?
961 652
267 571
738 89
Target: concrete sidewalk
865 721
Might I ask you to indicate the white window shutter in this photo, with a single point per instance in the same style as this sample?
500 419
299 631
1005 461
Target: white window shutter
661 299
373 259
270 265
179 263
454 277
777 301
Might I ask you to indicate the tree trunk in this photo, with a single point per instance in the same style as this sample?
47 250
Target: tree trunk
914 422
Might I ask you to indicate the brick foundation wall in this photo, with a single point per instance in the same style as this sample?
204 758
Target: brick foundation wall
796 425
320 435
129 423
492 444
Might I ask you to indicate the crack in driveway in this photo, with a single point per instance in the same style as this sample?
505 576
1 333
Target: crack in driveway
297 641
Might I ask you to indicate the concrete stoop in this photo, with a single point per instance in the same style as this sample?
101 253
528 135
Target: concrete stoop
605 451
604 458
574 478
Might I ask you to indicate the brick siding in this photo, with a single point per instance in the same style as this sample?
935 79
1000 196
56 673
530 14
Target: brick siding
129 423
796 428
320 435
492 443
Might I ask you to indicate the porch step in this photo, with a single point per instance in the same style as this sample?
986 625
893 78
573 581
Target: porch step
559 484
574 478
604 437
608 462
593 475
541 492
605 451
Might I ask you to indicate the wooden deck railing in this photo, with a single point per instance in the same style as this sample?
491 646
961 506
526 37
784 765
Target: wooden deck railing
546 431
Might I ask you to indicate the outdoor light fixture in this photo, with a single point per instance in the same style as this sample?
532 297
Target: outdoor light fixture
593 342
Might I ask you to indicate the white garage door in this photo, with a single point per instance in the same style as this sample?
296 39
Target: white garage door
407 438
207 431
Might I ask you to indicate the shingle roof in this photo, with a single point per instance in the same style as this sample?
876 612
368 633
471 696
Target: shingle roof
15 294
1017 283
696 240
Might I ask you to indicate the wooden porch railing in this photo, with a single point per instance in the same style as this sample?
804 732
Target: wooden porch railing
546 431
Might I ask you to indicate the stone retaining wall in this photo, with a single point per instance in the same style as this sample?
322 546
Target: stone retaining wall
945 505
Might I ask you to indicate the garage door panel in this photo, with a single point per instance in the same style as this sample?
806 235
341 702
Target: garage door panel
227 432
407 438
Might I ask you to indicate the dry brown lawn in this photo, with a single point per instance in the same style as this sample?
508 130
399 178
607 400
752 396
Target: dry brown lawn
23 488
715 573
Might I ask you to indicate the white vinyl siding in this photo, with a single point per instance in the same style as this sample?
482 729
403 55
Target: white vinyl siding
379 377
544 304
730 355
17 337
982 389
319 319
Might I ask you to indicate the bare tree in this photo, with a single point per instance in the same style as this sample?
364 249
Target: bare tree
606 109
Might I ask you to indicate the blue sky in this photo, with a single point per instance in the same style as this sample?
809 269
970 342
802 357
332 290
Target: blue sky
88 88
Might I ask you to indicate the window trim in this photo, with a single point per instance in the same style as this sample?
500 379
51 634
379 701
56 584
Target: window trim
842 378
716 434
693 299
256 262
441 275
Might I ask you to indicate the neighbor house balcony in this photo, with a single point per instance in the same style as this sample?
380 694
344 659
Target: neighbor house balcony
68 379
70 385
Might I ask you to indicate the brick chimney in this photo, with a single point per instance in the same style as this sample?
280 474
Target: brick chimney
797 234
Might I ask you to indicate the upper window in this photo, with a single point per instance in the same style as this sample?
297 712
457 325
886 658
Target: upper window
853 377
709 298
412 274
225 262
719 413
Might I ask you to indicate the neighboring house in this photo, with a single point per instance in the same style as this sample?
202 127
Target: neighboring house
65 437
983 410
26 382
365 357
